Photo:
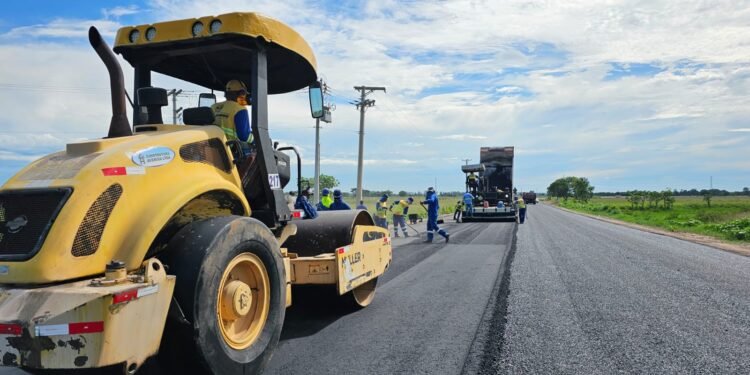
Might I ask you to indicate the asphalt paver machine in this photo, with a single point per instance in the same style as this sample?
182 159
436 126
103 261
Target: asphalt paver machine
495 180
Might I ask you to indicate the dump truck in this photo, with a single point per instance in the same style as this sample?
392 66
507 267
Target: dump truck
171 241
495 175
529 197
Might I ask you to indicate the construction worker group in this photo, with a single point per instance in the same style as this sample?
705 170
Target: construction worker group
233 118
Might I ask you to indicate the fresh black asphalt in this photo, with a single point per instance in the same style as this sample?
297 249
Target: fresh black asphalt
560 294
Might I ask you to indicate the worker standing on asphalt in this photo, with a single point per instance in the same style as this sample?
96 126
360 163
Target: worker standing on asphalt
469 203
381 212
433 209
521 210
361 206
457 212
325 200
399 210
338 203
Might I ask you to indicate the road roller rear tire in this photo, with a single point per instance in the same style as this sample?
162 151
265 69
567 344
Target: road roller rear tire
231 288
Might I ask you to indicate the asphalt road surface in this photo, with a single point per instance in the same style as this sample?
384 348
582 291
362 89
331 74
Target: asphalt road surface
561 293
592 297
424 319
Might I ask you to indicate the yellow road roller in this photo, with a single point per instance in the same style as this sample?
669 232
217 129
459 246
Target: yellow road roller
171 239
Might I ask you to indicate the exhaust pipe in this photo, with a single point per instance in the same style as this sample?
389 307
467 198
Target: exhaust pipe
119 125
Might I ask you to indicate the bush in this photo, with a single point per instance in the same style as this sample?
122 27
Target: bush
737 229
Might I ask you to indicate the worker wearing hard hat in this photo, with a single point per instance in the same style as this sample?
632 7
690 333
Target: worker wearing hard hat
473 181
325 200
400 209
381 212
468 203
338 203
303 204
433 209
232 116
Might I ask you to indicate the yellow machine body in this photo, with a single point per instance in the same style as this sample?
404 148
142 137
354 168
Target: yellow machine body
119 199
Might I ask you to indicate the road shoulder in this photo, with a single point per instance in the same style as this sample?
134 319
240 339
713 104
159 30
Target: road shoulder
691 237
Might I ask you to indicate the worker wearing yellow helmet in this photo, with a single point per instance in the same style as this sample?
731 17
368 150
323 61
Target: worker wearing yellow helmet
232 116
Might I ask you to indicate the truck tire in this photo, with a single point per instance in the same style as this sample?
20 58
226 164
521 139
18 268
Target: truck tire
231 290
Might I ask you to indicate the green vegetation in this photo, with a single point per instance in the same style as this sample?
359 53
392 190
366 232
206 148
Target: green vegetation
727 218
447 205
326 182
577 188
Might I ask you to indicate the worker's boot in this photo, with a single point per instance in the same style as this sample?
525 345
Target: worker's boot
395 234
406 234
444 234
429 237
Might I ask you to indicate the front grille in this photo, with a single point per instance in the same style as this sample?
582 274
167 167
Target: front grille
90 232
210 152
25 219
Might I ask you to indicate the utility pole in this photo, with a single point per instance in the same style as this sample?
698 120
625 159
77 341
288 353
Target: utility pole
362 104
316 196
173 93
466 161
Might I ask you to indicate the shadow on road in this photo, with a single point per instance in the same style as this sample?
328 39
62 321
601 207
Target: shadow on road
313 308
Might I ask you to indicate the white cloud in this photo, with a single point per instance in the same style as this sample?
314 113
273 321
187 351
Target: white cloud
120 11
462 137
453 70
353 162
61 28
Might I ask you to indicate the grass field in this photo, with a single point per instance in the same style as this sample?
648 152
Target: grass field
728 218
447 205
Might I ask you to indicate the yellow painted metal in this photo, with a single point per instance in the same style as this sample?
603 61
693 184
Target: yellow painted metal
151 195
350 266
244 301
320 269
131 330
367 258
251 25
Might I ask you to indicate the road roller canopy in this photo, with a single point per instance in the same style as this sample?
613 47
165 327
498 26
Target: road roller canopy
210 51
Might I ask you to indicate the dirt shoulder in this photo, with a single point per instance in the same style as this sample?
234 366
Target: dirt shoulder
692 237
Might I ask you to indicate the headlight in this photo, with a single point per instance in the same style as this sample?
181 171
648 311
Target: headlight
197 28
215 26
150 33
133 36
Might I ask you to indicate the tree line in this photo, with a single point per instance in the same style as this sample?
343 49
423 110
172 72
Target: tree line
577 188
684 193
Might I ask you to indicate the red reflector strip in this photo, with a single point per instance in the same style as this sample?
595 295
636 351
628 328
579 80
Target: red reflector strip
114 171
69 329
297 214
88 327
125 296
342 250
11 329
132 294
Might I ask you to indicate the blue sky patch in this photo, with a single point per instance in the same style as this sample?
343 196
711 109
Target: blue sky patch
620 70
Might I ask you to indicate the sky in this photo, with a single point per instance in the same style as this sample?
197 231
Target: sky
630 94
